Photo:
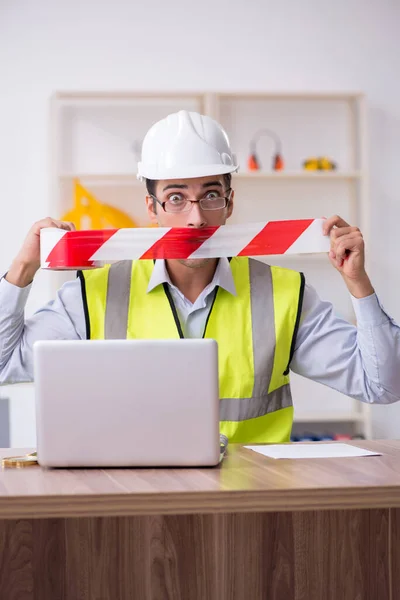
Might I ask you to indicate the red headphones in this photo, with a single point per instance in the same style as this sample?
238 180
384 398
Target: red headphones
253 163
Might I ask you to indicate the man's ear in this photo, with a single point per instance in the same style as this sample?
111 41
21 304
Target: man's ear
151 209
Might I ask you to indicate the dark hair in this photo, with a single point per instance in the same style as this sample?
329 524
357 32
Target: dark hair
151 184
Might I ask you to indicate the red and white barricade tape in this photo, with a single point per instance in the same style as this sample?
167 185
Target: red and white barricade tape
85 249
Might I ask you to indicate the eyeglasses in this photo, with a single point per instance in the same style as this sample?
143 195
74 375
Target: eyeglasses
177 203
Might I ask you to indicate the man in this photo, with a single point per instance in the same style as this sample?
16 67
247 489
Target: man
266 319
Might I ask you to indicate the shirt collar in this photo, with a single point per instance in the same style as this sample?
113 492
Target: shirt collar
222 277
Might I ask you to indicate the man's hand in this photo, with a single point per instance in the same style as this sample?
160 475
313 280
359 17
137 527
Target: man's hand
27 262
347 255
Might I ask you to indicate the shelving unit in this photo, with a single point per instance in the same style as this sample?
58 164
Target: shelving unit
92 135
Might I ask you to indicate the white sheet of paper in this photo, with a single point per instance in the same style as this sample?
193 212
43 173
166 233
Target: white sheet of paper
319 450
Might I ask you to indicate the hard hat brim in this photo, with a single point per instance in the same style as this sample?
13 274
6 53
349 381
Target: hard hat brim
183 172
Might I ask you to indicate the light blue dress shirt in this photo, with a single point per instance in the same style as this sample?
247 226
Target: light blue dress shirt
362 362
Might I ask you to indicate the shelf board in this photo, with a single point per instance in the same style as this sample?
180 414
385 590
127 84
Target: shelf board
125 178
248 175
117 95
118 99
291 95
309 175
329 417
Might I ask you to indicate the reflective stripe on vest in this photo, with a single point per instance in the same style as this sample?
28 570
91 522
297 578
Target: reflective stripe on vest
255 331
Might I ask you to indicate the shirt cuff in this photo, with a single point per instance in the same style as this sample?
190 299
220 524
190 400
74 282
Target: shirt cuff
13 298
369 311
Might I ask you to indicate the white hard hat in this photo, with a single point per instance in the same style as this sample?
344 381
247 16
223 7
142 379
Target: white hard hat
183 145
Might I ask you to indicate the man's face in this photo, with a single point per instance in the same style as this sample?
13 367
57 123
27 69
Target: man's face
176 191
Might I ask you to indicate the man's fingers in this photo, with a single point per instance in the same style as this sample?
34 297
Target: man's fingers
49 222
334 221
341 231
346 244
67 225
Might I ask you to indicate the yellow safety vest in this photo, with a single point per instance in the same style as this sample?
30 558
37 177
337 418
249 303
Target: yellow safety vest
255 331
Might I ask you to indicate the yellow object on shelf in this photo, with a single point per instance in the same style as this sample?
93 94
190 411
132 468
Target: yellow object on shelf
89 213
319 163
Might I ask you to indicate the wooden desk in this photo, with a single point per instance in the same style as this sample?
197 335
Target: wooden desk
251 529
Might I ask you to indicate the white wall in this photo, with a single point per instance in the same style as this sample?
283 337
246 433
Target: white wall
220 44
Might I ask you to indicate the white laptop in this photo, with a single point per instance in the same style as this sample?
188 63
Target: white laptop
127 403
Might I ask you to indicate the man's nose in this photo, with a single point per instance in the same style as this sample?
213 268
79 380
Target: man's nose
195 217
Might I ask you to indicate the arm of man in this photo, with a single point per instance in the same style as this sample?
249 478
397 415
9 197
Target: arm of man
61 319
363 361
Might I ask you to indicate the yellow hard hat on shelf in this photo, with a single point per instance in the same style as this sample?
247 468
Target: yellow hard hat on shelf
89 213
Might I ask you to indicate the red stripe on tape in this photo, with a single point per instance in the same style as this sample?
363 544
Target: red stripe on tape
179 242
276 237
76 248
